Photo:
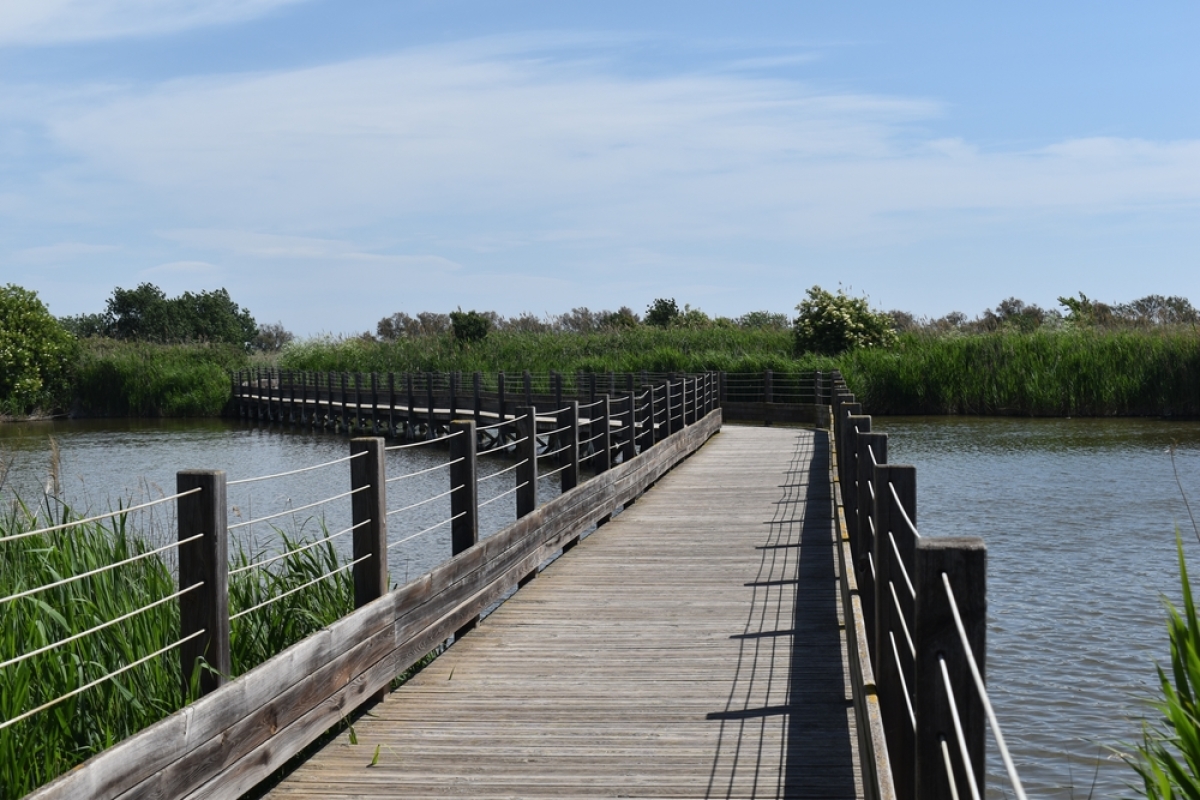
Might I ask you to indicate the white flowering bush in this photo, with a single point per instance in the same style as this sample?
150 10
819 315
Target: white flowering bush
36 352
829 324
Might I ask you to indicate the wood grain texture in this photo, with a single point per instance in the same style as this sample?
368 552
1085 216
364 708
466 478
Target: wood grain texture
691 647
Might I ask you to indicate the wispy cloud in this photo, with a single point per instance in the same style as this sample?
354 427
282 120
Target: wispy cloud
35 22
490 131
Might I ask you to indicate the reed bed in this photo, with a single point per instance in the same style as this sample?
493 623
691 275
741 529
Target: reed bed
1053 373
46 744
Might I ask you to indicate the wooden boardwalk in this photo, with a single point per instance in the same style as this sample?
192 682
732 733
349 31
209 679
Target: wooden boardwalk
689 648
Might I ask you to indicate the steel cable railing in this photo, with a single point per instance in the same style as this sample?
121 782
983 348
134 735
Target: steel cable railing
109 676
445 438
75 523
295 589
297 509
502 448
981 688
424 502
296 550
504 494
433 527
963 749
425 471
294 471
504 471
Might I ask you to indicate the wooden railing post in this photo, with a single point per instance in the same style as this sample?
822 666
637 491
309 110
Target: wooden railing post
410 422
430 418
674 419
464 497
204 561
392 405
477 397
568 417
601 447
501 405
629 424
527 477
453 378
868 443
937 641
768 387
357 423
652 435
893 667
527 380
345 405
368 507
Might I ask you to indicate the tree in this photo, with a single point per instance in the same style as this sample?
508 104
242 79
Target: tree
829 324
763 320
272 337
662 312
36 352
147 314
469 326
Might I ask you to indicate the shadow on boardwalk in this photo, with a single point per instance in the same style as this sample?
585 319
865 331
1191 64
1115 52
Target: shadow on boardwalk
792 635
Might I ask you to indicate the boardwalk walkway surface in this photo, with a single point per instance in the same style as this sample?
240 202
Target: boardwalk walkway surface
689 648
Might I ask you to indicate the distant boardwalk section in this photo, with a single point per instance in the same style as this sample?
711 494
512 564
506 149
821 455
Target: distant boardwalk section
688 648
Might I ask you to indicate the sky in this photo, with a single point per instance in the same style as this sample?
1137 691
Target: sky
332 163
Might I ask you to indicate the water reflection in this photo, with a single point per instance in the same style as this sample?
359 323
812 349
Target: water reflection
1079 516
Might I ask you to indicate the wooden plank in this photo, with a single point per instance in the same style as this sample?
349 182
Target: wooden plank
689 648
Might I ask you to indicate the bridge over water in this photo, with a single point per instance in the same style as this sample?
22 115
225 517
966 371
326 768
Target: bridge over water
691 647
715 611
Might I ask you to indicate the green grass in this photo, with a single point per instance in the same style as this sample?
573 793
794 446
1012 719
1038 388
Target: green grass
38 749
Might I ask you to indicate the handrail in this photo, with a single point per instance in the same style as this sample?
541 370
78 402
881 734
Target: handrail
923 624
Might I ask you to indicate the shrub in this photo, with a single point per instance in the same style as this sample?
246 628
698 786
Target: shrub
834 323
36 353
662 312
469 326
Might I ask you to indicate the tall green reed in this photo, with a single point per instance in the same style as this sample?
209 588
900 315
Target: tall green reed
48 743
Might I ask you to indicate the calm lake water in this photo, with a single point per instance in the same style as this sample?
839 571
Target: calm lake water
106 462
1079 517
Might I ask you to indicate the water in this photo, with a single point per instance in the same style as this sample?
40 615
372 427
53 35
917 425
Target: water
1079 516
106 463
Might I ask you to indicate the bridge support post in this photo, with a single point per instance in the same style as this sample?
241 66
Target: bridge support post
204 561
894 615
464 497
454 378
501 406
391 418
430 418
941 659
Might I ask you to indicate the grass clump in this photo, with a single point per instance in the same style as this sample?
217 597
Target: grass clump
46 744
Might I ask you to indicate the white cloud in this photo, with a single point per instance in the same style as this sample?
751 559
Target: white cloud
185 268
485 132
272 247
33 22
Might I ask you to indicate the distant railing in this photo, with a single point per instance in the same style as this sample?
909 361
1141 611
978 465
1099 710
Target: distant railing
241 730
419 405
919 609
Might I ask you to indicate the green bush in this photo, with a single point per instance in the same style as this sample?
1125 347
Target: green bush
830 324
36 353
469 326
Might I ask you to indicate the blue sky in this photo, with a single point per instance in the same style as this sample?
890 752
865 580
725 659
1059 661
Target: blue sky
330 163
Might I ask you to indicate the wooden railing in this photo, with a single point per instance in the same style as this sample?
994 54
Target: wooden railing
916 610
241 730
420 405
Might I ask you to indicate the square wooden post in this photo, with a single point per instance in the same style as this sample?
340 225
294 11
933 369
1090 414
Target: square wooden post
527 458
203 563
464 497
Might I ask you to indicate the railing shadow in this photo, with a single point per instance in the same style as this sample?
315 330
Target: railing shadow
789 701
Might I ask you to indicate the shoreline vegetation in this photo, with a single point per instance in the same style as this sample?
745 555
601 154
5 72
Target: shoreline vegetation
153 356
